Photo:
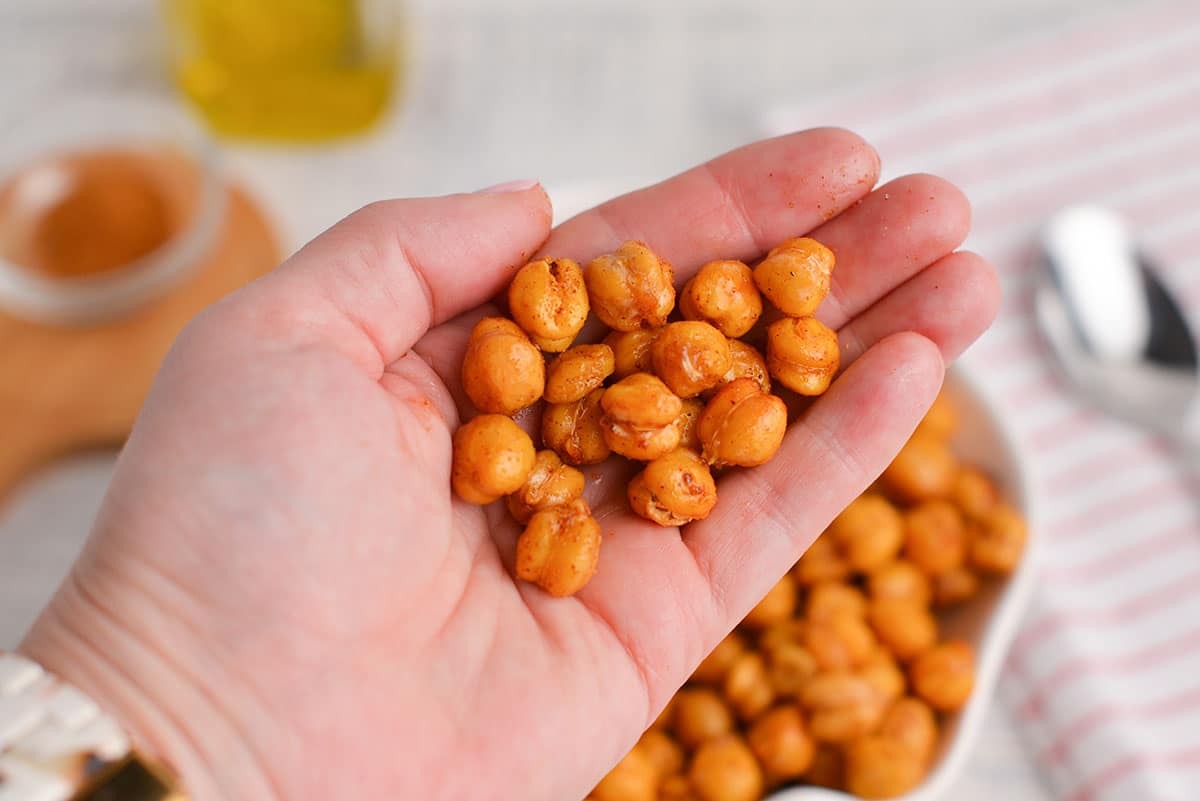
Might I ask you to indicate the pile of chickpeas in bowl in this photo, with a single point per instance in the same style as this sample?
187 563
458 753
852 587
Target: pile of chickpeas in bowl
686 397
840 677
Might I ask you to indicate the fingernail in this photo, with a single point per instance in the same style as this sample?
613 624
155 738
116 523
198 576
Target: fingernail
508 186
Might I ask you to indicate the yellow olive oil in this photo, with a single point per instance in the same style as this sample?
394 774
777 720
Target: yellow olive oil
285 69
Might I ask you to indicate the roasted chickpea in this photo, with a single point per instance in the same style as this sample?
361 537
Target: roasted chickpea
802 354
634 778
821 562
723 293
935 537
900 580
674 489
724 769
677 788
878 767
870 532
559 548
795 275
700 714
910 722
781 741
974 493
663 752
549 300
502 371
688 423
777 606
632 351
941 421
999 541
639 417
944 675
839 642
748 687
826 769
785 632
549 484
577 372
714 667
828 599
492 457
789 667
663 721
924 469
880 653
741 425
632 288
573 430
905 628
690 357
882 673
841 706
954 586
745 362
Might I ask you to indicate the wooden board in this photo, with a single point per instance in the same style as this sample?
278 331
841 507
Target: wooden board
69 388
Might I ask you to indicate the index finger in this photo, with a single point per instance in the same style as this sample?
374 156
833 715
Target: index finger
736 206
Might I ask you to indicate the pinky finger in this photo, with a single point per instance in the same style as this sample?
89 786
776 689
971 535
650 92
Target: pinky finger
769 515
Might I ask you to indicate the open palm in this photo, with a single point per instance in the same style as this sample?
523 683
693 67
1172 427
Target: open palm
283 599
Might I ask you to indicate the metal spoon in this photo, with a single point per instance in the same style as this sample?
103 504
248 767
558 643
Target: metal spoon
1117 333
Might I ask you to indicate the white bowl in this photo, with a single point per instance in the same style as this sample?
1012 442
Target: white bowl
989 621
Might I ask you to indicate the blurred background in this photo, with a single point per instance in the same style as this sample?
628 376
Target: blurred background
562 92
590 97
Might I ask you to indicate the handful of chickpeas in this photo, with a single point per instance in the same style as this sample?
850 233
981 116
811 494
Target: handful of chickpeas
686 397
839 675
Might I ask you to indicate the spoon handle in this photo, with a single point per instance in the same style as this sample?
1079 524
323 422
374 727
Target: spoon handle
1189 441
1191 458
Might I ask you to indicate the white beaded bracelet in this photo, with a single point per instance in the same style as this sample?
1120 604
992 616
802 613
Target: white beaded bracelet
56 744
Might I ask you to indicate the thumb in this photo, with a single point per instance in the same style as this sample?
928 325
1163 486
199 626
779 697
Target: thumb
375 282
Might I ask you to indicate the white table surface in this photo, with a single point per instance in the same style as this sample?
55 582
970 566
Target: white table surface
579 94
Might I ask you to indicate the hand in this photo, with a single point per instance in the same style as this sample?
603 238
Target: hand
281 597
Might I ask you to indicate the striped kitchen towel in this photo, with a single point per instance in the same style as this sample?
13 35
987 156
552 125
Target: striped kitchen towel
1104 678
